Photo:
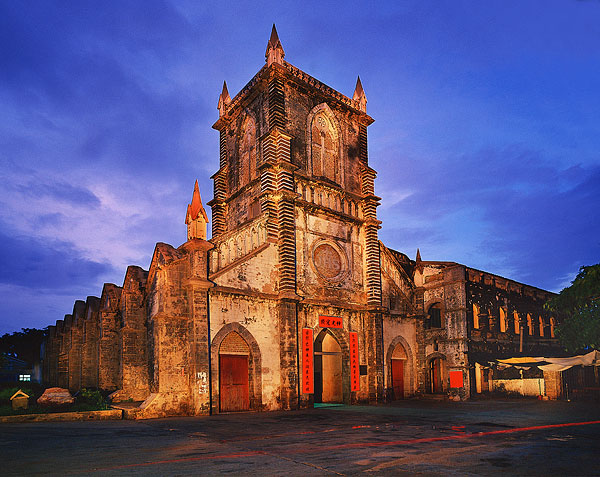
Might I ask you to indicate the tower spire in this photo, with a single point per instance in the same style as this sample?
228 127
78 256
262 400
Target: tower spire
360 96
195 217
224 100
418 262
274 53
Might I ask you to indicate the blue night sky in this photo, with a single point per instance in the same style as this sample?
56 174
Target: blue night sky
486 135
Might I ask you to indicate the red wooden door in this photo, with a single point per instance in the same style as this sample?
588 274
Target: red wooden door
398 378
233 379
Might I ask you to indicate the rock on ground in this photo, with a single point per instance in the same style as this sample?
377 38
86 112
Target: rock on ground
55 397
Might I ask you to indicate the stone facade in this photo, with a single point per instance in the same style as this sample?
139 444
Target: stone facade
294 300
473 318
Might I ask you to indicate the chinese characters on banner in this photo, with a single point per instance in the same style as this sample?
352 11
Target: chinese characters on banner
308 385
354 368
330 321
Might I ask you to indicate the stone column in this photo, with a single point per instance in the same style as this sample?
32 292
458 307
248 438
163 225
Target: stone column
375 357
63 357
89 346
108 349
197 286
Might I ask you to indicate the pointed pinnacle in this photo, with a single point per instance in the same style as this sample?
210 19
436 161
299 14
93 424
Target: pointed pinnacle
359 92
196 208
224 99
418 259
225 95
274 37
274 44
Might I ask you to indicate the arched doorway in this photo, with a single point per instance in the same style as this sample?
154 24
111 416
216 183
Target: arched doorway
234 377
436 375
328 369
397 364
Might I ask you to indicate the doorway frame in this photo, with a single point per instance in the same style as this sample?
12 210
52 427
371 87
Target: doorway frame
254 367
339 335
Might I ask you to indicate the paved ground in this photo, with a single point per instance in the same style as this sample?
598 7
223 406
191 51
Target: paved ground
410 438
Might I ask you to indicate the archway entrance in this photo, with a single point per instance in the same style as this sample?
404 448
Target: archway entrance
328 369
234 378
397 364
436 371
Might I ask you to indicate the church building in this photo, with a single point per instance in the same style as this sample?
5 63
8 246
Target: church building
294 300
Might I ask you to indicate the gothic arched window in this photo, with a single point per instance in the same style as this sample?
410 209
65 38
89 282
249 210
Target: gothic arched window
324 148
434 317
247 151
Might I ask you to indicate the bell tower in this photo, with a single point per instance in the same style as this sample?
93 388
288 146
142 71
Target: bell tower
294 159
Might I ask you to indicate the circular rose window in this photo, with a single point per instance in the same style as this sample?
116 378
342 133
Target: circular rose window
327 260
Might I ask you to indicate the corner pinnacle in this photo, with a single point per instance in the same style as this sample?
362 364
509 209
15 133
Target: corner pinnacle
224 100
195 208
360 96
274 53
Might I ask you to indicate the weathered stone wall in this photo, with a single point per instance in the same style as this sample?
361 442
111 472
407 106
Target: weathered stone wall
490 293
400 321
89 345
108 346
464 340
168 332
399 330
74 353
236 266
445 285
553 384
133 370
63 357
256 319
330 257
51 352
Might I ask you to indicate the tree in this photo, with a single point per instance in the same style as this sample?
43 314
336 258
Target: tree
24 344
578 310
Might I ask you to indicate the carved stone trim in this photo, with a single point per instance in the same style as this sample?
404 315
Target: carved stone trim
329 260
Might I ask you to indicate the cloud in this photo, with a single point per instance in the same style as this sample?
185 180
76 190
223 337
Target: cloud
36 264
512 211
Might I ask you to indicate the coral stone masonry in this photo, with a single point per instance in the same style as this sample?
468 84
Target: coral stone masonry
294 300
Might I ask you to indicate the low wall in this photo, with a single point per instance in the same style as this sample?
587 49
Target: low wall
66 416
524 387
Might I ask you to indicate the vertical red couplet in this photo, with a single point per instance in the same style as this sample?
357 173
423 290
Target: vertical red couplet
308 382
354 367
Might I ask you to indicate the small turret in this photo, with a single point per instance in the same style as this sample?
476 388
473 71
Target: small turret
224 100
196 218
274 53
418 262
359 96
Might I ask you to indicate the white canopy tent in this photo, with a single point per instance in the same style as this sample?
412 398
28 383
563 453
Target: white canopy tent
554 364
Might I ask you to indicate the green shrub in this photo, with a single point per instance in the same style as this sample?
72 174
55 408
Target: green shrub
91 398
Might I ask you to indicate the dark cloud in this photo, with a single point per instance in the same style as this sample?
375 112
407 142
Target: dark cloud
98 76
553 229
42 264
537 218
60 191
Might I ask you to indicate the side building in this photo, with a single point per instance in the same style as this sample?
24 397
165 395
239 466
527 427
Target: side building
294 301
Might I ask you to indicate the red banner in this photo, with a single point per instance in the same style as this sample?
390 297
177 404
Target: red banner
330 322
456 379
308 381
354 366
